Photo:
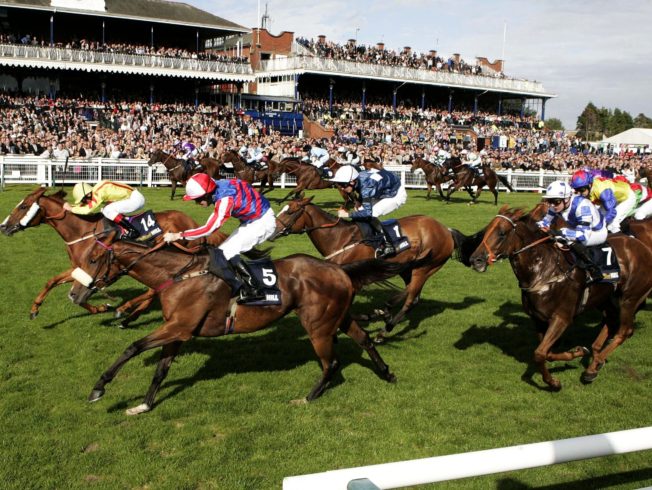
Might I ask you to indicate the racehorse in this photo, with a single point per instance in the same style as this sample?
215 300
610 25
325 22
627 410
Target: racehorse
178 172
435 175
319 292
245 172
553 289
467 178
431 245
308 176
79 232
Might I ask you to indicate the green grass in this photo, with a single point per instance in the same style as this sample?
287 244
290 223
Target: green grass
224 418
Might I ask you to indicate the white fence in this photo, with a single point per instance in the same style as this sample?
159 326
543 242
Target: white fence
456 466
43 171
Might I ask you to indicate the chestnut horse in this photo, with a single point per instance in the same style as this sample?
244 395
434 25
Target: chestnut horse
177 171
465 177
307 175
435 175
78 233
340 241
197 303
554 291
245 172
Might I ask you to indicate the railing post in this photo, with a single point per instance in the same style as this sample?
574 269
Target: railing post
2 173
150 172
99 170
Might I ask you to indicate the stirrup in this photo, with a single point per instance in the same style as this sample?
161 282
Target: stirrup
245 296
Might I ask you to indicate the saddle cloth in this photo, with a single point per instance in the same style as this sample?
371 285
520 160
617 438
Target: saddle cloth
265 272
604 256
146 225
392 229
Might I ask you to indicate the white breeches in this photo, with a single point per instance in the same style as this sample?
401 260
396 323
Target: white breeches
126 206
596 237
644 210
389 204
622 211
248 235
319 162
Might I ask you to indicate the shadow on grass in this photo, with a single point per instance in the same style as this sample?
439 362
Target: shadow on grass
283 347
516 337
606 481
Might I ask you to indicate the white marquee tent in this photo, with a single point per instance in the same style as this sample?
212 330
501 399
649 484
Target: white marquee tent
631 137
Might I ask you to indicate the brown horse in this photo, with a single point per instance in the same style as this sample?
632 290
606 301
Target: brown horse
178 173
245 172
308 176
431 245
554 291
465 177
435 175
79 232
196 303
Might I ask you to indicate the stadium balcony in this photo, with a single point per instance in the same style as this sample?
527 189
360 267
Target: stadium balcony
311 64
101 61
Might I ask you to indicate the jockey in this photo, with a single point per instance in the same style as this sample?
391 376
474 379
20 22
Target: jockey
235 198
615 198
381 193
474 162
316 156
442 156
643 201
112 199
255 158
586 226
190 153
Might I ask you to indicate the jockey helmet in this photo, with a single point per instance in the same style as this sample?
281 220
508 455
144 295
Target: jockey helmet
345 174
341 149
307 147
558 190
472 157
80 191
581 178
199 185
442 153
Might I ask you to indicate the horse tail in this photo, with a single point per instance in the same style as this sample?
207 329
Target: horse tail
505 182
365 272
466 245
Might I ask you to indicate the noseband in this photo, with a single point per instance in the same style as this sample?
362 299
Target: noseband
493 257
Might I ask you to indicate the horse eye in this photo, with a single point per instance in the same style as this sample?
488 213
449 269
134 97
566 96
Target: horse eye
23 206
501 234
93 261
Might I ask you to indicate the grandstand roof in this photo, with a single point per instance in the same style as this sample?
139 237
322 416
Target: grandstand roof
147 10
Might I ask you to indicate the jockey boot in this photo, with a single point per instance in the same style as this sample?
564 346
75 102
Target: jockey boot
222 268
593 272
386 249
130 231
251 289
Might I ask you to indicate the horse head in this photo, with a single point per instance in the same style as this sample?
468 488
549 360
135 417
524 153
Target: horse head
27 213
500 238
292 218
155 157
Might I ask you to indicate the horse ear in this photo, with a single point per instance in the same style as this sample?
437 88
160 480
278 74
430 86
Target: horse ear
302 195
503 209
310 199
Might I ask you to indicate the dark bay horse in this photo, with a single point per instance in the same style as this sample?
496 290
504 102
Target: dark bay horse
177 171
435 175
319 292
466 178
245 172
553 289
341 242
79 233
307 175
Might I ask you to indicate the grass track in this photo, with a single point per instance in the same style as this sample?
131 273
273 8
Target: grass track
223 418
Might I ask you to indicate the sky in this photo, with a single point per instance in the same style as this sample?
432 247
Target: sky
581 50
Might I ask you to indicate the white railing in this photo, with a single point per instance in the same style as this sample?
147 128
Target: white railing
330 66
478 463
86 60
52 172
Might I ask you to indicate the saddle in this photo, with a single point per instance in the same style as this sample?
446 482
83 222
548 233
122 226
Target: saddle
392 230
604 257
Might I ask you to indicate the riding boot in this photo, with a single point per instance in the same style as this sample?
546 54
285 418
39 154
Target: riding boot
251 289
130 231
222 268
593 272
386 249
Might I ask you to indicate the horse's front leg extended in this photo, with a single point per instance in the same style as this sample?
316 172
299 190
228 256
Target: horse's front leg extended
556 326
141 303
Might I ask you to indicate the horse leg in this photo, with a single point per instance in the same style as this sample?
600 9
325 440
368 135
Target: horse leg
168 353
141 304
429 191
165 334
556 327
57 280
324 349
495 193
174 188
361 337
439 189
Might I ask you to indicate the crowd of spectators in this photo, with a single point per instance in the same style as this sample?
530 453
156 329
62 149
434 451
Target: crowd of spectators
123 48
79 128
380 56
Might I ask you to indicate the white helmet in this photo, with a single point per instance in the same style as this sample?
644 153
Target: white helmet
341 149
442 153
472 157
558 190
345 174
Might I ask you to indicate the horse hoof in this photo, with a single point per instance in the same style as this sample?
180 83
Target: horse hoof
33 315
95 395
118 314
123 325
379 339
588 378
142 408
555 386
391 378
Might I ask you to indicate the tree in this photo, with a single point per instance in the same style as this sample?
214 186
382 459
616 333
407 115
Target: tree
588 123
642 121
554 124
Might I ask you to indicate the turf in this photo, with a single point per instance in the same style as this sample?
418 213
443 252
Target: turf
224 417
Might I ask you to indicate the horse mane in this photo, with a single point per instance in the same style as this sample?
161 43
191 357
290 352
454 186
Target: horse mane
58 196
323 211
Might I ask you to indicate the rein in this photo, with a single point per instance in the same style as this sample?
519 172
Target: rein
491 256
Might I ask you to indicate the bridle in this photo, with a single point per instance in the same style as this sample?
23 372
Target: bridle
294 217
491 257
